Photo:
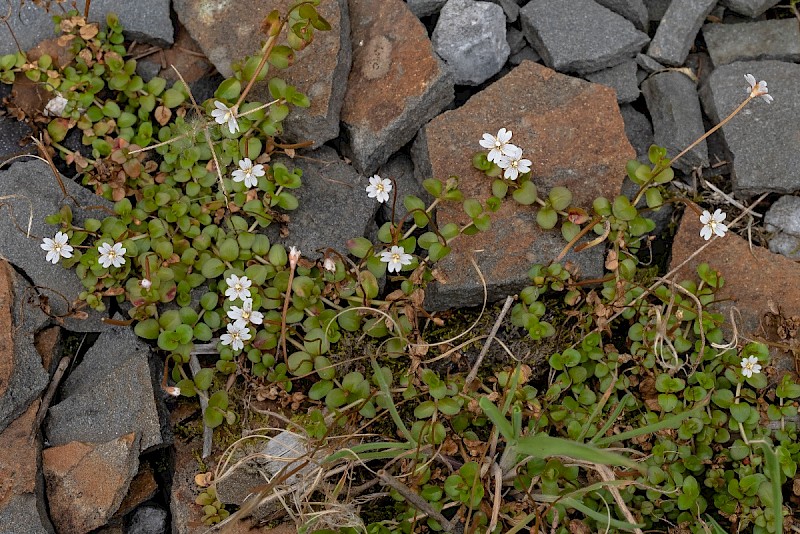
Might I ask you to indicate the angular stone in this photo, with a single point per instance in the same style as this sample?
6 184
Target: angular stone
769 39
633 10
510 8
34 193
396 84
148 21
14 138
750 8
648 64
756 281
638 130
656 8
621 78
111 393
186 515
677 118
148 520
471 38
526 54
400 168
319 71
22 377
756 138
23 514
785 244
677 30
550 115
424 8
330 187
142 487
515 39
580 36
86 482
783 219
22 505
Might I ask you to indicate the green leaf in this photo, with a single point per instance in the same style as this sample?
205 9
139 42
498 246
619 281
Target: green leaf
526 193
213 268
473 208
740 412
622 209
147 329
499 420
560 198
547 218
541 445
203 378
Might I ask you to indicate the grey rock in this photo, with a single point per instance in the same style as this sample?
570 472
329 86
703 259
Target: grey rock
330 187
769 39
471 38
400 168
633 10
638 130
579 36
648 64
23 515
510 8
751 8
27 378
148 21
656 8
111 393
756 138
149 69
148 519
527 53
621 78
282 453
34 192
515 39
12 132
641 76
677 30
785 244
424 8
784 216
677 117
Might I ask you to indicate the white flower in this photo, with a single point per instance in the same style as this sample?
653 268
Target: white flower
55 107
244 315
111 255
57 247
757 89
712 224
513 163
248 173
236 336
750 366
225 114
294 255
145 283
329 265
498 145
396 258
379 188
238 288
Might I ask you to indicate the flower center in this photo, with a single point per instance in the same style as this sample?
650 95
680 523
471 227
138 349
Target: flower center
112 254
395 258
245 315
57 247
379 186
498 143
234 335
514 163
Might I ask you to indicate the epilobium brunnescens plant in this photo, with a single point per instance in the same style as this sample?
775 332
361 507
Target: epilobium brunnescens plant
701 436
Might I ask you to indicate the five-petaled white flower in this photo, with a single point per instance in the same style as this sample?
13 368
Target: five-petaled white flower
750 366
248 173
396 258
146 283
236 336
498 145
379 188
223 114
513 163
238 288
329 265
712 224
244 315
111 255
757 89
57 247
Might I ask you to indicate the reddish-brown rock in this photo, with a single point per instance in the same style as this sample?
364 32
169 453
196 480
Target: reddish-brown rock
757 282
396 83
573 133
86 482
228 31
19 456
48 345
